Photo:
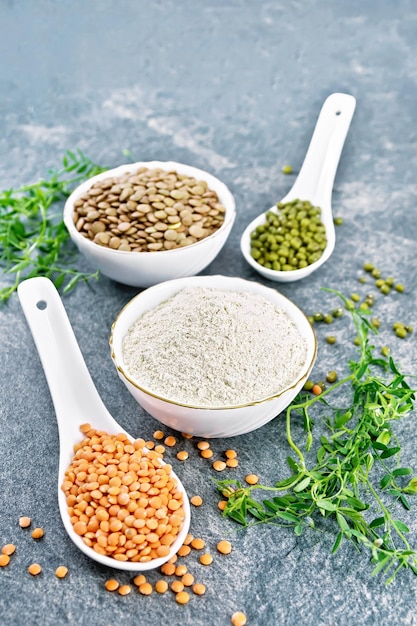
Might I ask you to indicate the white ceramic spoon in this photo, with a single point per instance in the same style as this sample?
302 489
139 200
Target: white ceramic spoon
314 181
75 399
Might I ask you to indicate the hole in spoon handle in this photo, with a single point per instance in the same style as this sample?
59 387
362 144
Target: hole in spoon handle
318 171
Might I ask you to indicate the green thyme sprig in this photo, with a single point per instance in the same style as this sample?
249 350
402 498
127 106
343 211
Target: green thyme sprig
33 237
342 480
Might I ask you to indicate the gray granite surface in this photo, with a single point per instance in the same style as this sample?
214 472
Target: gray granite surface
233 87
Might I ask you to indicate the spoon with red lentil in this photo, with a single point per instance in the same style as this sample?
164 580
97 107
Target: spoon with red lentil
119 502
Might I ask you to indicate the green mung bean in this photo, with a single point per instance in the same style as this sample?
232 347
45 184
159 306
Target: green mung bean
291 238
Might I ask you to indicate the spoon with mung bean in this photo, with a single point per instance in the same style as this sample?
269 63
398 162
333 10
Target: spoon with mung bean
297 235
77 402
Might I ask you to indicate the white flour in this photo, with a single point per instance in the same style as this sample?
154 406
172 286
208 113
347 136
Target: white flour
210 347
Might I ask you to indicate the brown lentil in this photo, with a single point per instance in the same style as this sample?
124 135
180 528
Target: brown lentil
127 212
61 571
34 569
111 584
196 500
116 490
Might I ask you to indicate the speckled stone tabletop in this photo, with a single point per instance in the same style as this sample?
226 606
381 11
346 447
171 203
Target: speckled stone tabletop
233 87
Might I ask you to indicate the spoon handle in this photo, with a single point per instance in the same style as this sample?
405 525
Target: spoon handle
74 395
316 177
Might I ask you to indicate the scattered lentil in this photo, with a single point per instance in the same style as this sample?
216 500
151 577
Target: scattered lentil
161 586
232 462
199 589
182 455
187 580
197 543
4 560
219 466
203 445
177 586
252 479
316 389
225 547
61 571
38 533
182 597
34 569
206 454
222 505
139 580
158 434
8 549
111 585
206 559
170 441
196 500
184 551
24 522
124 590
180 570
145 589
230 454
238 619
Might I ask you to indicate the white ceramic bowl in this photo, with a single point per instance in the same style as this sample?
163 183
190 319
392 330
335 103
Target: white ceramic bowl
142 269
203 421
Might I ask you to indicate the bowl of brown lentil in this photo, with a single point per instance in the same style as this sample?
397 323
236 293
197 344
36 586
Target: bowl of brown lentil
147 222
240 354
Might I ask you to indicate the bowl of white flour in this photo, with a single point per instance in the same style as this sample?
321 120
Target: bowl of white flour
213 356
